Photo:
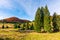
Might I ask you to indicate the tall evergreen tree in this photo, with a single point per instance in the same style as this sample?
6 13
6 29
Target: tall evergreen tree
54 20
47 26
38 21
42 17
58 21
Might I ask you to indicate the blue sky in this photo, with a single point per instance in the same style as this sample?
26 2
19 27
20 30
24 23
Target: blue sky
26 9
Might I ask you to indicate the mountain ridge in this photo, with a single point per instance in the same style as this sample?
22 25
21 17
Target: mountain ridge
14 19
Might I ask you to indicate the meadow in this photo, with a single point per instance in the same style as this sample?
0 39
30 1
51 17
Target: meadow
14 34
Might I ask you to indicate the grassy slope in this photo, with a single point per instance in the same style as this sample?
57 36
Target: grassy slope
6 33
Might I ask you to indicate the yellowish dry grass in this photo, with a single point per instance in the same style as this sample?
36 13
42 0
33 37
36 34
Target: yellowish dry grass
43 36
12 33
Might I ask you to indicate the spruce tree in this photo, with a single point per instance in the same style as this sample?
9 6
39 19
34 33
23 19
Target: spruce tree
58 21
47 26
55 25
42 17
38 21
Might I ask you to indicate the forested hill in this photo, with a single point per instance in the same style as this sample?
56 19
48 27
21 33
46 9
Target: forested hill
14 19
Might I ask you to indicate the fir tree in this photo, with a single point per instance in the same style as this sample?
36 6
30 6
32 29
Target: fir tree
47 26
42 17
38 21
54 20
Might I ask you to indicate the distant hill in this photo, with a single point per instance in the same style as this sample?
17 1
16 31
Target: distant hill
14 19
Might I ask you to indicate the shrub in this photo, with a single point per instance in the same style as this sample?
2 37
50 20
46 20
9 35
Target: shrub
7 27
18 25
32 27
1 39
2 26
23 27
15 26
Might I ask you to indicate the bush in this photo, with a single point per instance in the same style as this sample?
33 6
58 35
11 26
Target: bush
1 39
15 26
32 27
18 25
27 26
23 27
7 27
2 26
6 38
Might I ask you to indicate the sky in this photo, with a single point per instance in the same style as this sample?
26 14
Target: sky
26 9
